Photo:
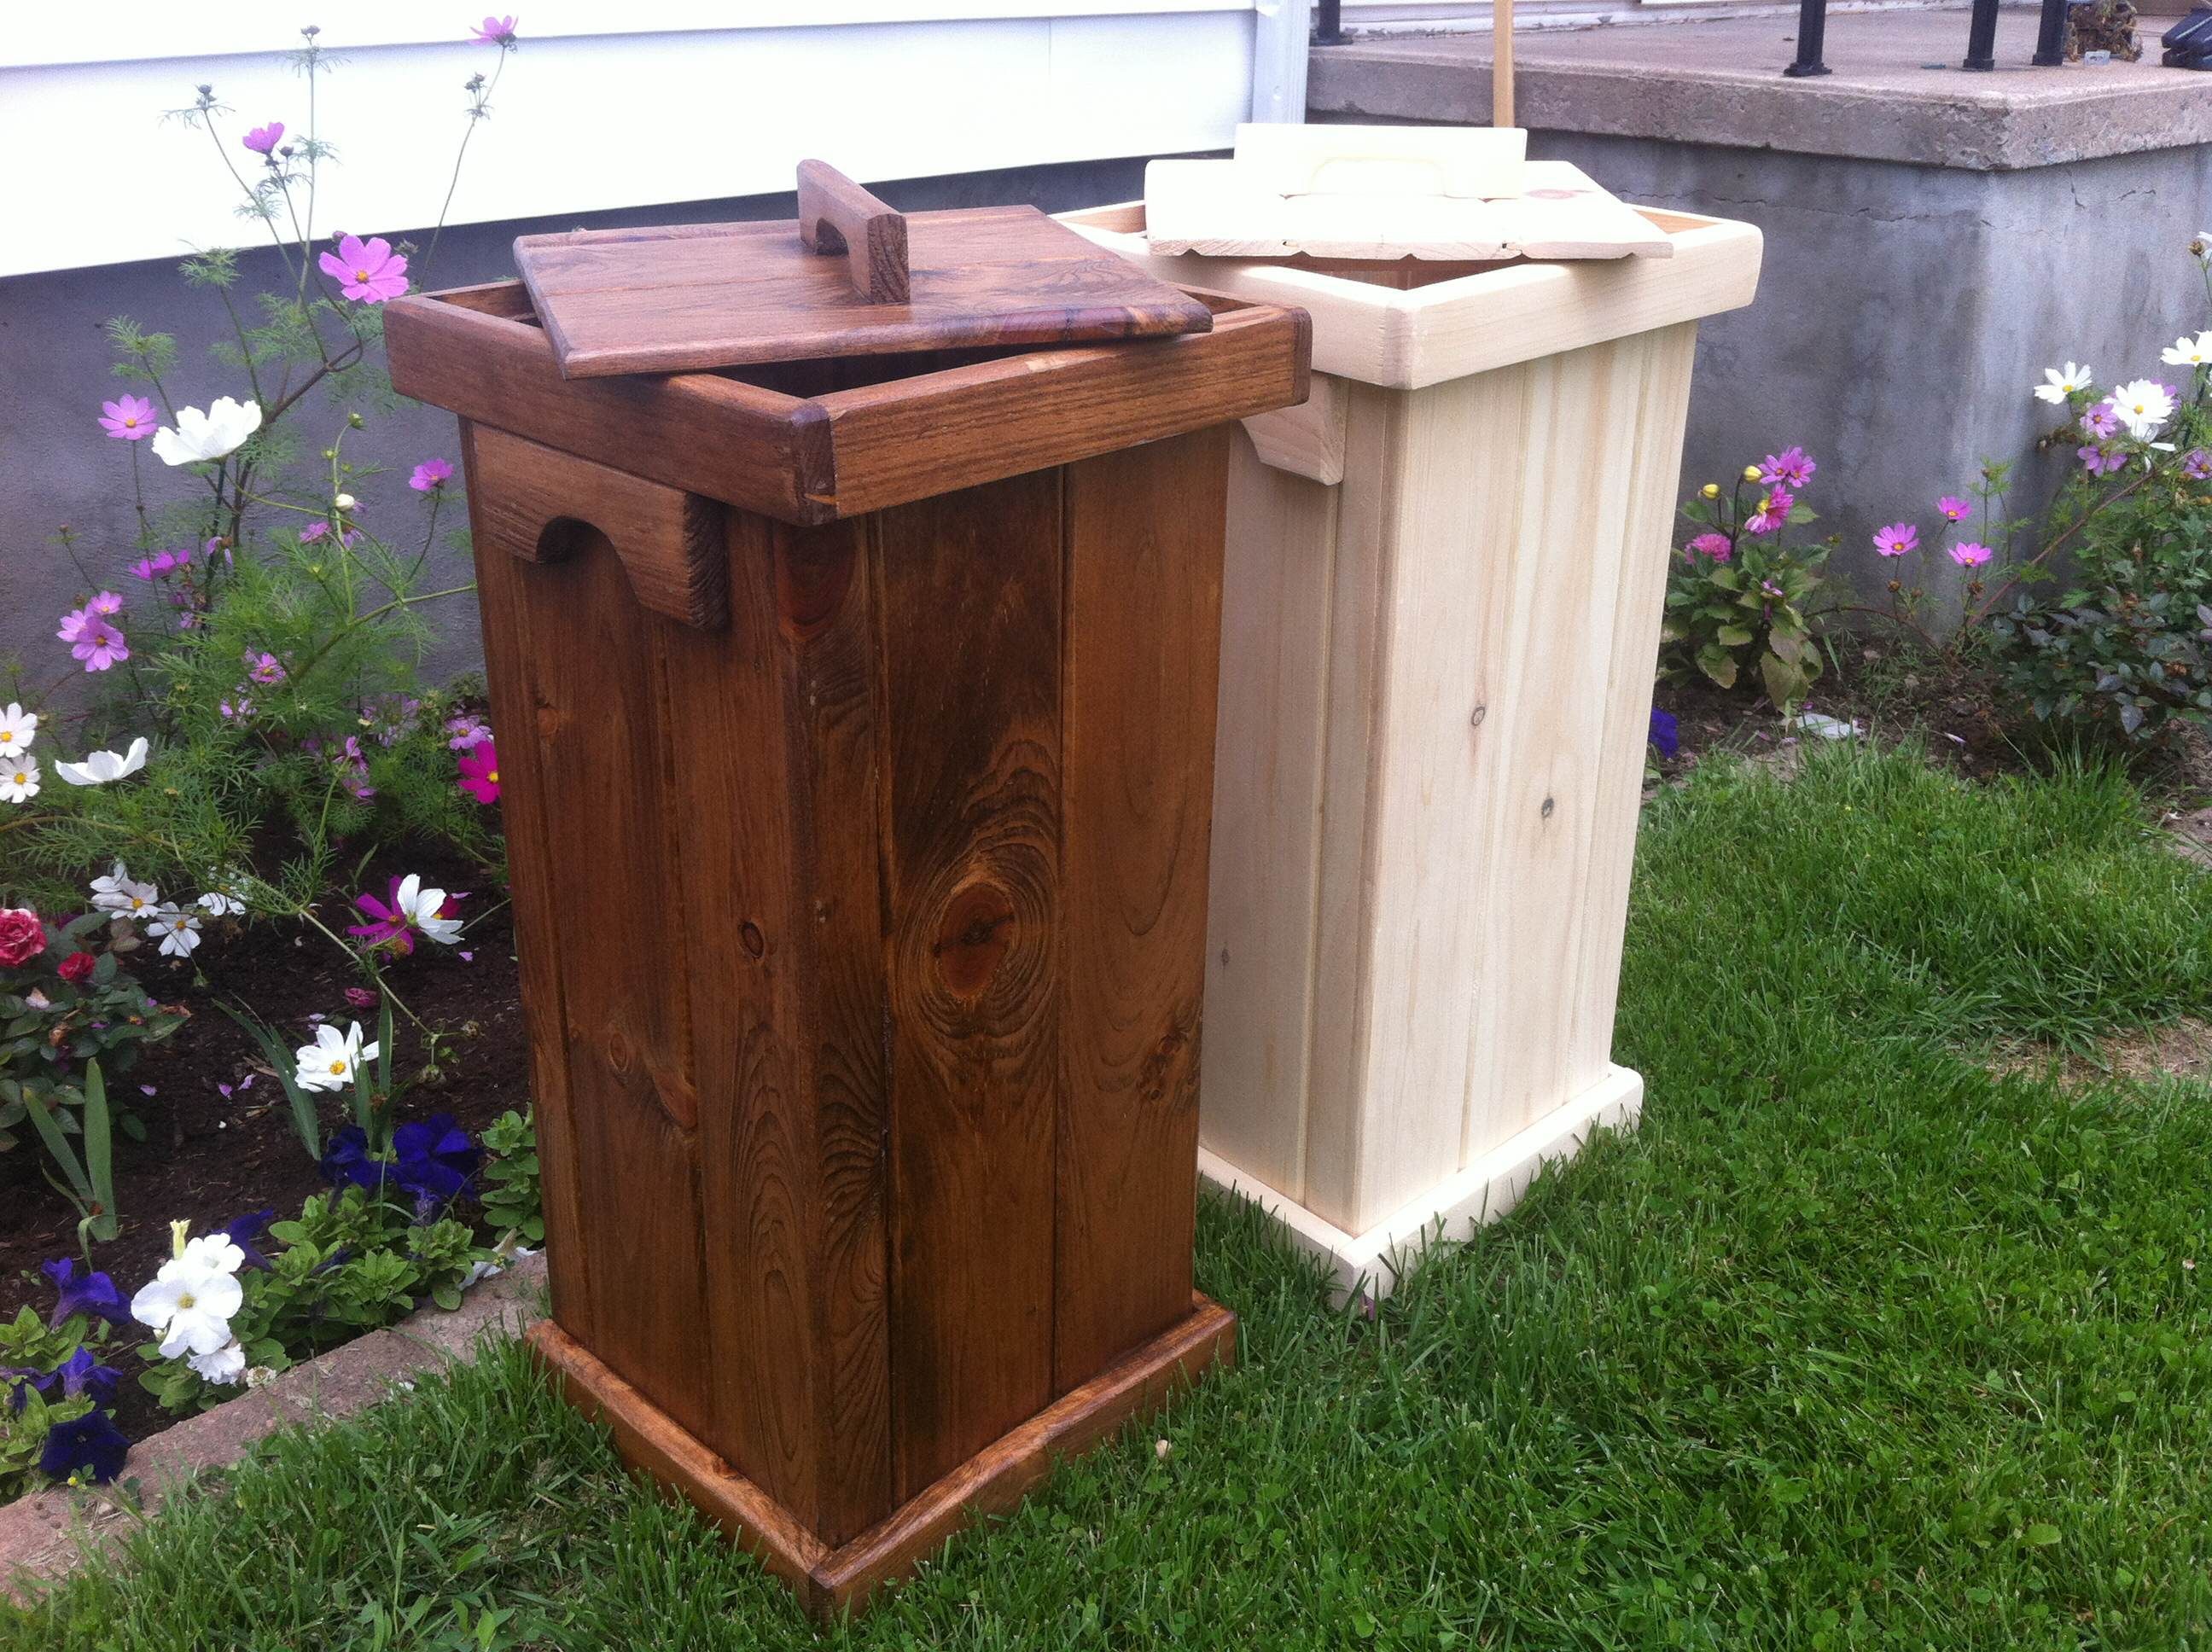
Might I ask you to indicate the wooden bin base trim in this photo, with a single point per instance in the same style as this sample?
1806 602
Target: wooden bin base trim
1371 1262
833 1581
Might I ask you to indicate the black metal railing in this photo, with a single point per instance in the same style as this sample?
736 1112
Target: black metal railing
1981 38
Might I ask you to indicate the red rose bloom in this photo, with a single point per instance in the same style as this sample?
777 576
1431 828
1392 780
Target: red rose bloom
77 966
22 937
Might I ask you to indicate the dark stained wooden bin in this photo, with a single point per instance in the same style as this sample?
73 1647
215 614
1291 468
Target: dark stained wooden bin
857 727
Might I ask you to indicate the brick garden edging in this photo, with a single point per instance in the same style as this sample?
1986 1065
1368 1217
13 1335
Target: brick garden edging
44 1537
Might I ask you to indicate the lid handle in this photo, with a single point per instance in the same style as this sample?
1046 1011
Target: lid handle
835 215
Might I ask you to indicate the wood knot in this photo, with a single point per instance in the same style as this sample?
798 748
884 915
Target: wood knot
973 937
755 943
1160 1064
620 1053
1548 806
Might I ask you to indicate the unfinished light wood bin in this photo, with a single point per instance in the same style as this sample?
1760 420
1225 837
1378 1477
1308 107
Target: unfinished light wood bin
856 725
1441 617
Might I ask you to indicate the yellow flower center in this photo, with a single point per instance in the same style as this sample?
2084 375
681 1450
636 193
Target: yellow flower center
360 275
337 1067
21 779
131 421
184 1301
492 777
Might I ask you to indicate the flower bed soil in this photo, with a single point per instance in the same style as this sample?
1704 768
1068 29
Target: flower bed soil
209 1158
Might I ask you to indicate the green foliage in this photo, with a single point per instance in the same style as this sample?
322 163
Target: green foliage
29 1345
511 1198
52 1028
1738 595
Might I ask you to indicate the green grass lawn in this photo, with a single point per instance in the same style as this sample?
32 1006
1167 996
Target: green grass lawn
1853 1346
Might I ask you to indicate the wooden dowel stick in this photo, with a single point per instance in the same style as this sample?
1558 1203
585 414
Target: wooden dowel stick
1501 66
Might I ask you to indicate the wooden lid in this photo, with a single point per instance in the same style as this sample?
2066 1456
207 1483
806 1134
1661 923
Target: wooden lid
849 277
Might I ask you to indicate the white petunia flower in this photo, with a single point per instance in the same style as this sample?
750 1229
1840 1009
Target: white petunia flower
2142 405
226 1365
2062 382
420 907
188 1303
328 1063
215 434
18 779
18 728
179 931
2187 352
100 767
214 1252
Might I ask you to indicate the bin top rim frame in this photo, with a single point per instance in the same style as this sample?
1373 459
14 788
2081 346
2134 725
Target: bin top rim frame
808 459
1408 338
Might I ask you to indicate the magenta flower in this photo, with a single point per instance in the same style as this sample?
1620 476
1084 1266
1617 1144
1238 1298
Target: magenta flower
1791 467
368 270
2196 464
388 925
265 668
161 563
2097 461
1951 508
315 530
361 998
128 418
107 603
1896 540
1715 546
480 772
431 475
1773 512
495 30
99 644
236 706
2102 420
73 624
262 139
1967 554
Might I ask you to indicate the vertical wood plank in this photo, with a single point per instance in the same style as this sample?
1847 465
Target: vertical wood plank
1337 1087
585 700
1143 622
523 791
970 622
1277 574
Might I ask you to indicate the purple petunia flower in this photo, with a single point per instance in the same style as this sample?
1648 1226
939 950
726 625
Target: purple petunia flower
1897 539
89 1446
1666 731
1791 467
245 1232
94 1295
263 139
431 475
433 1158
81 1373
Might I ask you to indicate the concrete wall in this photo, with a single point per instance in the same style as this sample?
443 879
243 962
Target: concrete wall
1906 310
57 466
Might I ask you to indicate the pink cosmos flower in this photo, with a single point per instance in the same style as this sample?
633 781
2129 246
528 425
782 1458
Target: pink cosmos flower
265 668
237 705
1951 508
262 139
480 772
368 270
389 923
495 30
431 475
2196 464
127 418
1713 545
1773 512
161 563
73 624
1896 540
1967 554
361 998
99 644
467 730
315 530
107 603
2098 462
1791 467
2102 420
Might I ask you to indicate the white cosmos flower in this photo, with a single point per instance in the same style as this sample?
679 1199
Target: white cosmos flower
100 767
18 779
215 434
179 931
2187 352
226 1365
2062 382
118 892
328 1063
345 502
2203 246
18 728
220 903
190 1302
2142 405
421 906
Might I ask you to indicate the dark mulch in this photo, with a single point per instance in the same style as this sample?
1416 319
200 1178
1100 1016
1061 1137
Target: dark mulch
209 1158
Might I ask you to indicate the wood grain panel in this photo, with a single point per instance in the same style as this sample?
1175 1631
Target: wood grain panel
1278 574
971 616
1144 624
584 701
524 788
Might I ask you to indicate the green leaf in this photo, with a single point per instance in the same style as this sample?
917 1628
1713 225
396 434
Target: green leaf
1718 663
1733 636
2042 1534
